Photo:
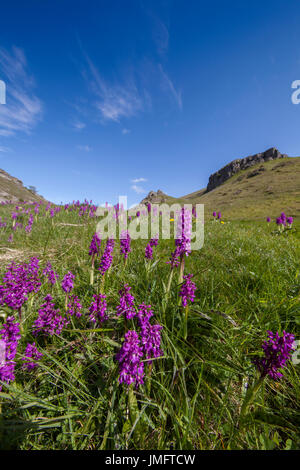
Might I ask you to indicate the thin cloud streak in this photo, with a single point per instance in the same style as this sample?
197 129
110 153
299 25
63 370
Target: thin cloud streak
85 148
123 99
113 101
138 180
78 125
161 36
168 85
126 131
5 149
23 109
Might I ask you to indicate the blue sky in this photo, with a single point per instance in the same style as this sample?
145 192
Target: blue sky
115 97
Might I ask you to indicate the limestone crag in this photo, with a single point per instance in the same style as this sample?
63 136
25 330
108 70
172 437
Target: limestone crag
218 178
154 197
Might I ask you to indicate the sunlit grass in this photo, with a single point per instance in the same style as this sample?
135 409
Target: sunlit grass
247 281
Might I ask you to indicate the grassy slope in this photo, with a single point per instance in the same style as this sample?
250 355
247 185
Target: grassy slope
269 193
15 189
194 396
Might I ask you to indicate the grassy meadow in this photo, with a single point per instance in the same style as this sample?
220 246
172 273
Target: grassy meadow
198 394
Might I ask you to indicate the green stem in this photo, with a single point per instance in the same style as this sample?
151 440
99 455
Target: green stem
169 282
250 396
108 419
149 378
102 284
185 322
168 290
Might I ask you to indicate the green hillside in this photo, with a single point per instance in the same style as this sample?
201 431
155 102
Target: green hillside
265 189
12 189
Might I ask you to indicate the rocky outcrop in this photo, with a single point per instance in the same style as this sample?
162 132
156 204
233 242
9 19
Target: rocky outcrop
155 197
12 189
218 178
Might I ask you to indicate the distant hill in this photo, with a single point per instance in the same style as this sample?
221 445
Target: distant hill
266 189
12 189
155 197
254 187
218 178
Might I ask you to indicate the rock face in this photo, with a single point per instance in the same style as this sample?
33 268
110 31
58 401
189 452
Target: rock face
12 189
218 178
154 197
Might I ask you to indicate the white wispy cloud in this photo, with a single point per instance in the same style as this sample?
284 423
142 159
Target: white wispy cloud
138 189
161 36
131 93
126 131
168 85
78 125
114 101
4 149
138 180
23 109
85 148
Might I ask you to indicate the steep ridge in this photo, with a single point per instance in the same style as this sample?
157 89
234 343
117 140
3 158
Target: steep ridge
12 189
261 185
265 189
222 175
